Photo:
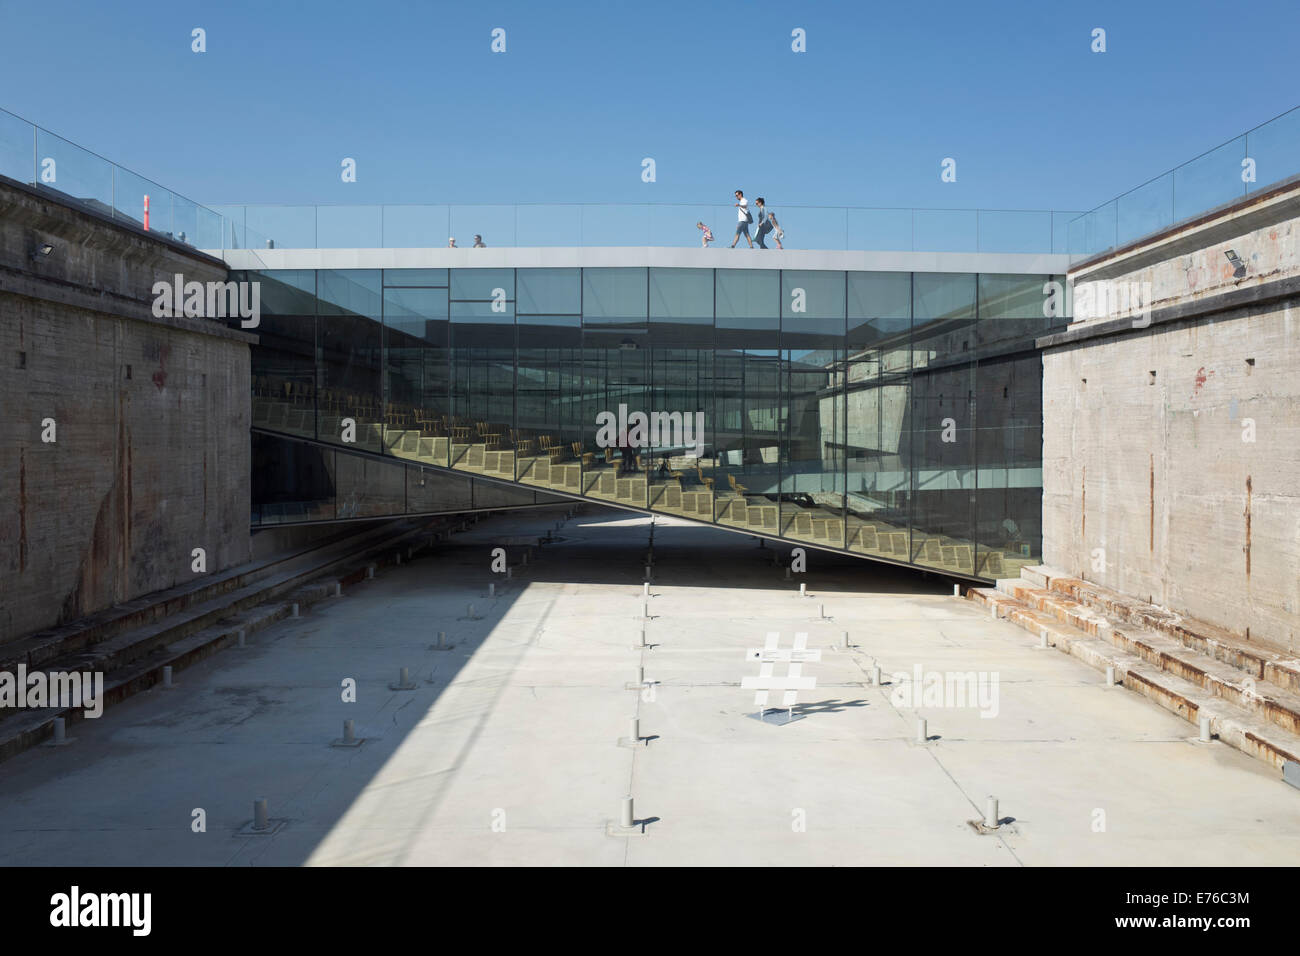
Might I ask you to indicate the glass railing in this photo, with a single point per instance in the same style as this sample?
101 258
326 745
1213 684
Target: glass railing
1255 160
640 224
36 156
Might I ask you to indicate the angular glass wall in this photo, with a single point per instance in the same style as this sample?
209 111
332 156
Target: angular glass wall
892 415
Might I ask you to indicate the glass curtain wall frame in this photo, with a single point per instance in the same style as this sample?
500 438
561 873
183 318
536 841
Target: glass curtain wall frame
895 415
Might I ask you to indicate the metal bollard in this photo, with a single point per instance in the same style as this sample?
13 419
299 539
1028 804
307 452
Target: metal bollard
260 818
338 588
241 638
640 676
803 589
167 675
349 732
442 639
470 615
956 590
875 675
645 588
1110 675
60 732
370 571
787 574
1042 638
922 733
1205 729
821 611
634 730
847 645
295 611
645 609
404 680
625 818
991 813
492 589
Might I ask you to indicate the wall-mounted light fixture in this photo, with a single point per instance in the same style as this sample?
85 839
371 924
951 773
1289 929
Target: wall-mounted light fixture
40 251
1238 265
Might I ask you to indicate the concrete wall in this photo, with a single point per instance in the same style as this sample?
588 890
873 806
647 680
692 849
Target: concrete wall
1175 445
151 457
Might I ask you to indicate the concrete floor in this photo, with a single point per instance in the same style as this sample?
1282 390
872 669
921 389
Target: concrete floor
507 752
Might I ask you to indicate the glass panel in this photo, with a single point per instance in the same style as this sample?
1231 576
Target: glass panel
74 171
880 229
1208 181
1010 478
682 294
416 277
496 224
291 481
288 227
946 230
482 370
418 381
349 227
349 342
549 291
939 295
1007 230
549 225
415 227
1145 209
284 369
17 140
938 449
1012 308
1275 147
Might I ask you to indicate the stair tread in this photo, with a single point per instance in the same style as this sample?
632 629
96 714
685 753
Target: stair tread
1232 717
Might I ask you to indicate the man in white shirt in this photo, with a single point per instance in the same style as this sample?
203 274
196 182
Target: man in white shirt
742 224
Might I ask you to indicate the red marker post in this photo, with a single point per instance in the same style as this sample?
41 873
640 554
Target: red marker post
146 213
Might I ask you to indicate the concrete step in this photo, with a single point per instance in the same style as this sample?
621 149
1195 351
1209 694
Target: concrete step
1278 705
1244 726
36 649
133 660
1259 659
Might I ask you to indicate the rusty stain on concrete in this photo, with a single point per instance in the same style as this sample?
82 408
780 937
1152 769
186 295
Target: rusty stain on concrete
1247 548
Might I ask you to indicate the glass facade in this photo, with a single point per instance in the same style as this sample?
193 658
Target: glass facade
891 415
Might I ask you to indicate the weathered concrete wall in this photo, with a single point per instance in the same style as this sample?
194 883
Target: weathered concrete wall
1172 449
151 452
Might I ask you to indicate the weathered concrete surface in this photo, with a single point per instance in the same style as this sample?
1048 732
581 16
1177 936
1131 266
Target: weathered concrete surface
151 418
1171 452
506 752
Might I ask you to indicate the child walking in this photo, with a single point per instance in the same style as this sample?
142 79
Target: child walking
707 235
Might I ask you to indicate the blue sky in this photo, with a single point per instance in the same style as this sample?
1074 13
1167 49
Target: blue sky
711 90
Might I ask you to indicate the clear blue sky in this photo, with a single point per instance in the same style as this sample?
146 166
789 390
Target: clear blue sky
709 88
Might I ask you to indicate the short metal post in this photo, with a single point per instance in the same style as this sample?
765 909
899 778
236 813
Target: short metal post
241 638
167 675
787 574
1110 675
260 818
349 732
405 679
442 639
492 589
640 676
956 590
634 730
295 611
922 734
875 675
1205 729
60 732
370 571
803 589
626 819
991 813
847 645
